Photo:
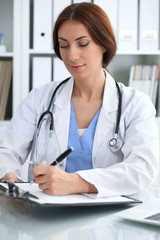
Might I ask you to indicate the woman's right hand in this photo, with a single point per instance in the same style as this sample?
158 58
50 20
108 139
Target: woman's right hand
10 177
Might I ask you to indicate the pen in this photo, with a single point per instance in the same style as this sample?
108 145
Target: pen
62 156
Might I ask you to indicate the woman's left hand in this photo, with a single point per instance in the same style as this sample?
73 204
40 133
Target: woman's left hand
55 181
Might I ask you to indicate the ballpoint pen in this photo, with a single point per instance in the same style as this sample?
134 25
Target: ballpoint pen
60 158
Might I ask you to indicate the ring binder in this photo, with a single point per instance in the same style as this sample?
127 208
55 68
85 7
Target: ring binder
16 192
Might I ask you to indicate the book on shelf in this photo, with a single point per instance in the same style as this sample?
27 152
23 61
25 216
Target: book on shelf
145 78
5 81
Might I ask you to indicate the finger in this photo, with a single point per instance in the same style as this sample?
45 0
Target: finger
39 169
13 180
40 179
43 186
10 177
49 192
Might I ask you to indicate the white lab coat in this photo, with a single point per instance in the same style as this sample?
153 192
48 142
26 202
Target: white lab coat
125 172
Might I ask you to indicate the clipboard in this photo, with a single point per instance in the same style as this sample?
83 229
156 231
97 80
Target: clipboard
34 196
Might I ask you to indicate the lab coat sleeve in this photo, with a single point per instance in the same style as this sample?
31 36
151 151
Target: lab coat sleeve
16 141
140 165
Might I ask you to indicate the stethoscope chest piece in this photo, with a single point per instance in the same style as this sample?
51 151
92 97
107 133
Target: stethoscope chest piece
115 144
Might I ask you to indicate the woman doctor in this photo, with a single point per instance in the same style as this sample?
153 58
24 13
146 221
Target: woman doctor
85 112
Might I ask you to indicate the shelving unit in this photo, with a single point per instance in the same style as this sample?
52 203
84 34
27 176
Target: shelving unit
9 24
120 65
21 51
6 54
6 15
138 52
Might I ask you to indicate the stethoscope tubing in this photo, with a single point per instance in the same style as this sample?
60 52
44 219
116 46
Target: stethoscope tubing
48 112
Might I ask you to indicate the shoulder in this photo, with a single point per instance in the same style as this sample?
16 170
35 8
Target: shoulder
136 102
46 89
130 94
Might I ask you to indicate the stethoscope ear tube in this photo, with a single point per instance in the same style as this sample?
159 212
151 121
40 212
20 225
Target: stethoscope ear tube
42 116
48 112
54 93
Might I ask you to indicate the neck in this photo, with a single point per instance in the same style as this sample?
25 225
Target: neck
90 89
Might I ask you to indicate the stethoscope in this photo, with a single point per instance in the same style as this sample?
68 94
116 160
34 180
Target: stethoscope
114 144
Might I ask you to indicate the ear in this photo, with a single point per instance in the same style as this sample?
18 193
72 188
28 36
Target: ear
103 50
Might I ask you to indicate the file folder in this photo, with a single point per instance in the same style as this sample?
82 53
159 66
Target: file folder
111 8
149 25
41 71
42 24
127 25
31 194
58 6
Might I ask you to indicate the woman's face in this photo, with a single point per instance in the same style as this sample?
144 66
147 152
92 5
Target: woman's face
80 54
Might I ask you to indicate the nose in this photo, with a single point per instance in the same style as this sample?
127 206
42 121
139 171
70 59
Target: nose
73 53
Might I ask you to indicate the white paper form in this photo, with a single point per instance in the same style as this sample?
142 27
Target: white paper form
73 199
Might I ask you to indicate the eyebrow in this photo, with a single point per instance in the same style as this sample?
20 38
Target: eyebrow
61 38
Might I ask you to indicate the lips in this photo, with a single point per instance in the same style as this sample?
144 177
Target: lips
76 67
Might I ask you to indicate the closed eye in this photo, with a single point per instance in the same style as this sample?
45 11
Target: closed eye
84 45
64 46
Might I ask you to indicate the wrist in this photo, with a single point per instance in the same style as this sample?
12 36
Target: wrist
81 185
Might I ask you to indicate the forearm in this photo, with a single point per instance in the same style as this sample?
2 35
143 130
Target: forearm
125 178
55 181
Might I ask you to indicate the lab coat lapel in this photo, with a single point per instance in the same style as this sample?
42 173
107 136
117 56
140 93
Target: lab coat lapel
62 115
106 118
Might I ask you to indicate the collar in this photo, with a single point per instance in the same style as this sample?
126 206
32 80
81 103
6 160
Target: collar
110 96
64 95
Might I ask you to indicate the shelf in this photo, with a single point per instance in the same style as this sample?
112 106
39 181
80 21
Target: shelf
6 54
41 52
138 52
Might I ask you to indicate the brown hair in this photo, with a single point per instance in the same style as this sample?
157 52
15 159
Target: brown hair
97 23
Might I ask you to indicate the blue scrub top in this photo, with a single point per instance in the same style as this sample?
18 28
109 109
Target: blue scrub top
81 157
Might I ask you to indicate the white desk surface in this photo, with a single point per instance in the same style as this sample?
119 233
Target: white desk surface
19 221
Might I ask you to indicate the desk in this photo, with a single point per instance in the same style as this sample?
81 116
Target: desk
19 221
